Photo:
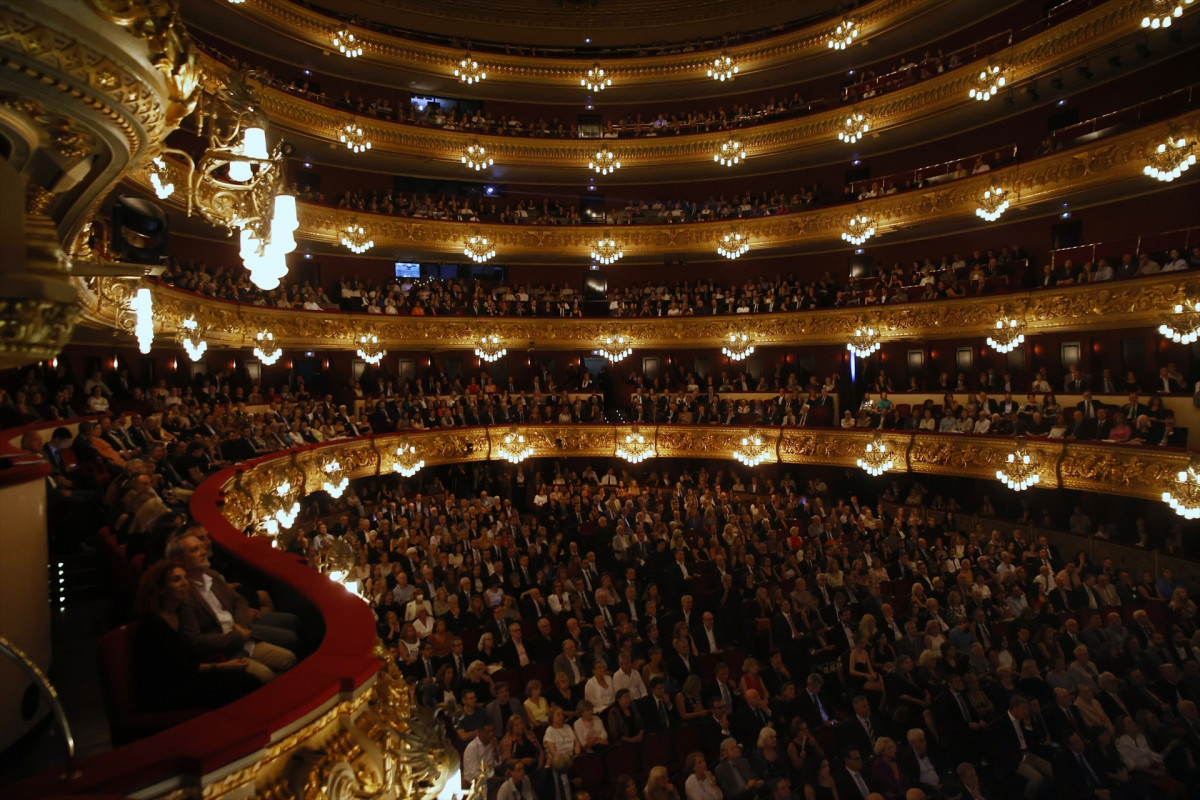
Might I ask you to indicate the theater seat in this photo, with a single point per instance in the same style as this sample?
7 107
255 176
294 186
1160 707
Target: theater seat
114 662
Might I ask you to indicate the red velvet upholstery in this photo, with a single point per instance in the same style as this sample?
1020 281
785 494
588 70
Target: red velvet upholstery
114 662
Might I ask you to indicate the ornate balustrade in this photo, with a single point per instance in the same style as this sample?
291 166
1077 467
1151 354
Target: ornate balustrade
1061 176
1127 470
1132 303
1026 60
407 54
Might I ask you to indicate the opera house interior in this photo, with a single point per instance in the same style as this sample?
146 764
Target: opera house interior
645 399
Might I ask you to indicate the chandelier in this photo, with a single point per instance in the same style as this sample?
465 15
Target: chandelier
1161 12
282 506
723 68
605 162
614 348
634 447
469 71
753 450
1184 492
864 342
479 249
606 251
408 462
355 139
853 128
347 44
369 349
859 228
160 178
238 184
192 339
737 346
1185 327
142 307
490 350
1171 159
993 204
475 157
594 80
733 244
844 35
1019 471
988 82
730 153
335 478
1007 336
265 348
355 238
514 448
876 458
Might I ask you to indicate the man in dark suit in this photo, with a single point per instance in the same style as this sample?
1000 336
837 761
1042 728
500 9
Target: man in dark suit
1062 718
1080 775
1169 436
814 705
922 764
717 725
1011 748
958 722
860 730
754 715
1089 407
1080 428
681 663
708 636
851 782
657 709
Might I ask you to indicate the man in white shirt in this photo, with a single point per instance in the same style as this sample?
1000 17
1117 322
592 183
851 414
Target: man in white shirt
629 678
480 757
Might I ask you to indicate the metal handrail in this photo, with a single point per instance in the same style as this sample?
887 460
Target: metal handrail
34 672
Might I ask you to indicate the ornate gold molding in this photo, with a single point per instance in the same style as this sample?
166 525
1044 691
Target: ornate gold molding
1126 470
414 56
1026 60
1132 303
1053 177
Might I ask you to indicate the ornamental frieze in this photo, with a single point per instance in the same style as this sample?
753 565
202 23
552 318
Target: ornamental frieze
1025 60
810 41
1055 177
1138 302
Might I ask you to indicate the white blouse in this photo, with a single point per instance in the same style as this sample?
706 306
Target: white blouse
561 740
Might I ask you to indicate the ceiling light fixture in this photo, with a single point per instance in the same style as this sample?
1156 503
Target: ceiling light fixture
614 348
354 137
369 349
844 35
854 127
347 44
336 479
142 306
1184 327
723 68
1019 470
606 251
265 348
595 80
753 450
730 153
475 157
733 244
513 447
864 342
604 162
988 82
160 178
479 249
1163 12
634 447
738 346
858 229
355 238
876 458
490 349
1170 159
192 339
1008 335
1183 494
993 204
469 71
408 462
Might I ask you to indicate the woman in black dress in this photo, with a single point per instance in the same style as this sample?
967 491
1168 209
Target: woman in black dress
166 675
